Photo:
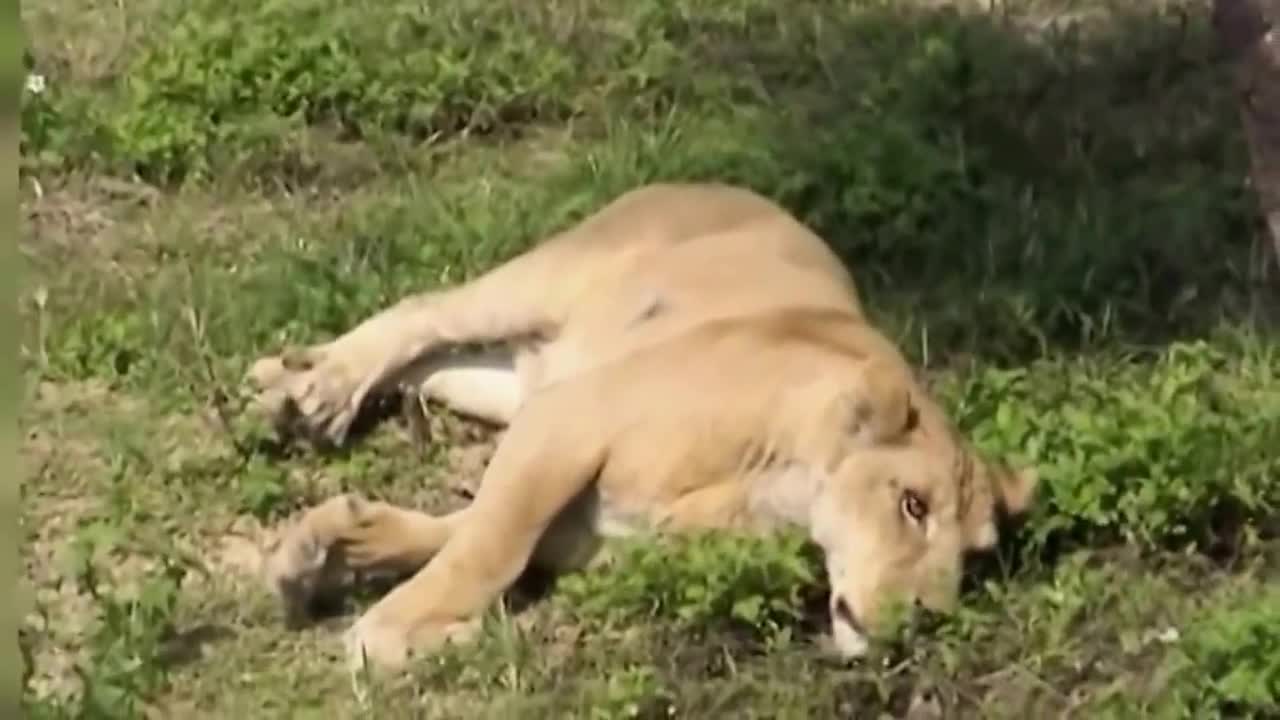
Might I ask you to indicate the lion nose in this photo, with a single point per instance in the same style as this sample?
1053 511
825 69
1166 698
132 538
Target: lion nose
844 613
847 633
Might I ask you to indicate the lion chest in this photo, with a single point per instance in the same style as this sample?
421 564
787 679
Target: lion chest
783 495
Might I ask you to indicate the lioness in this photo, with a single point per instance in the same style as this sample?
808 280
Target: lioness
689 357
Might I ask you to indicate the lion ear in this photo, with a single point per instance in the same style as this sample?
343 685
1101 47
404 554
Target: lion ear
1013 491
881 403
1016 489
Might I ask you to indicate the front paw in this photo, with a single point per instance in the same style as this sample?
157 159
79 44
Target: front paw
381 642
310 393
374 643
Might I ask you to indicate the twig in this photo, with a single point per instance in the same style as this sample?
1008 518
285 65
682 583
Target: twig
216 396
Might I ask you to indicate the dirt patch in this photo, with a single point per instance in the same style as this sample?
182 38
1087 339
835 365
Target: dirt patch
240 553
72 216
105 35
87 521
466 464
124 226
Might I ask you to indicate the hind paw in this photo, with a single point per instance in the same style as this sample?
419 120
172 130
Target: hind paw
305 569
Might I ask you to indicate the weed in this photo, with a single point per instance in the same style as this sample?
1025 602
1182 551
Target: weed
1173 451
759 584
127 649
1230 664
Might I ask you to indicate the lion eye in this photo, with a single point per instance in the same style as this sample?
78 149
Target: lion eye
914 506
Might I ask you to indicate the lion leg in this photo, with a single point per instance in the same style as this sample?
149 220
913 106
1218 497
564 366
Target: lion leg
722 506
350 534
318 391
550 455
484 386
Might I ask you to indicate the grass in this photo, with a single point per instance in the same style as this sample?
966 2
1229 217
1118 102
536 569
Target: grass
1050 217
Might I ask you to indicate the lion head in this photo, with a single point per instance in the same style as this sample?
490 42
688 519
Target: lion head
895 523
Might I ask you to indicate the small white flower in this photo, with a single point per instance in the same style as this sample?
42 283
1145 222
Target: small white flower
35 83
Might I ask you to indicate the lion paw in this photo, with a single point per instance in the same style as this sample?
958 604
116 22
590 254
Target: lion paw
379 641
372 643
307 392
301 570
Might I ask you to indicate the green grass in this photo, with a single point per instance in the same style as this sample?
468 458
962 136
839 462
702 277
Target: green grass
1052 222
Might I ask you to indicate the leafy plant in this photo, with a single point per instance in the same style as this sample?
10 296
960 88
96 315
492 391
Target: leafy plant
1229 665
760 584
1171 452
232 81
627 694
128 646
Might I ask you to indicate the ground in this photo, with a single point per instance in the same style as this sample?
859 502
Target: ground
1045 203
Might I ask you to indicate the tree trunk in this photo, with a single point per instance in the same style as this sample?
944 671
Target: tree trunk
1249 33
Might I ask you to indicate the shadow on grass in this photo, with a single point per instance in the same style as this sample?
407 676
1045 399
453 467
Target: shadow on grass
1002 187
1004 191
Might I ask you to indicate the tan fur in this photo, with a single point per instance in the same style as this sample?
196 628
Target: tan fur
689 357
